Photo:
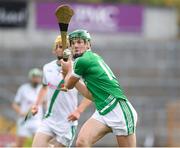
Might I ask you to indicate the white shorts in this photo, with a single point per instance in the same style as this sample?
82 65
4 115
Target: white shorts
122 119
64 132
27 129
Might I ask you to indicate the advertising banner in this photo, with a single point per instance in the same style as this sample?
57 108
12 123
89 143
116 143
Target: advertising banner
94 17
13 13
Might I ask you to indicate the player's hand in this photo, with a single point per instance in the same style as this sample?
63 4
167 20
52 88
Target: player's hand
66 66
74 116
64 89
34 109
22 114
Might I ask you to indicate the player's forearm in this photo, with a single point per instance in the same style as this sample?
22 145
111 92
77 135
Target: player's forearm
41 95
70 81
66 81
85 103
81 87
16 107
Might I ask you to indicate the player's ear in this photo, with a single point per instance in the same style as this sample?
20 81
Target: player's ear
88 45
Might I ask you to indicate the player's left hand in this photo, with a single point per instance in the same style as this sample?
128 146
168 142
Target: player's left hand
74 116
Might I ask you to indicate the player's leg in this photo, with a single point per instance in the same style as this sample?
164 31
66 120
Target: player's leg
91 132
54 143
47 140
41 140
20 140
23 133
123 121
65 133
127 141
43 135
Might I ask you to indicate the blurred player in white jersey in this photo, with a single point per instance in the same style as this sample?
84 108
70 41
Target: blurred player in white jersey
24 99
59 125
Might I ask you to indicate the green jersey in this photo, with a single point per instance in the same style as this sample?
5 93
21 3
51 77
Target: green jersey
100 81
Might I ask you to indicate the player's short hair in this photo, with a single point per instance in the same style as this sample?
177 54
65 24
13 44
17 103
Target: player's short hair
34 72
82 34
58 40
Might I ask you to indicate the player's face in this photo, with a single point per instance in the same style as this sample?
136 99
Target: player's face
79 46
35 80
58 51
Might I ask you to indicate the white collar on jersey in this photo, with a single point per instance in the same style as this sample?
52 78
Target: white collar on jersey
58 64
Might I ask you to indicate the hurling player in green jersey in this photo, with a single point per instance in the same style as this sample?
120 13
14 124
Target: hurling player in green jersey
114 113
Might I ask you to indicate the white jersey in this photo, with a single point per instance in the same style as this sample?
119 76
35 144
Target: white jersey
26 97
64 102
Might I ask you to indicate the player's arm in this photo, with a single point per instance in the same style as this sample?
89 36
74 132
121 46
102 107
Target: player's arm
40 99
41 95
73 72
16 107
72 79
85 103
81 87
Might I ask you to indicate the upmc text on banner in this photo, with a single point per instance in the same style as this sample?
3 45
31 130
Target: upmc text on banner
94 17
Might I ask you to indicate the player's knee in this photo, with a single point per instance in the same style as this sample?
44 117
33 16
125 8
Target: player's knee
82 142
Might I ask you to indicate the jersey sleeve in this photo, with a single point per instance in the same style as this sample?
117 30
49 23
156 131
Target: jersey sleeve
80 67
44 80
18 96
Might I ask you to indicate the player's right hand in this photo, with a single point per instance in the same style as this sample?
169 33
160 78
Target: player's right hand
22 114
34 109
66 66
